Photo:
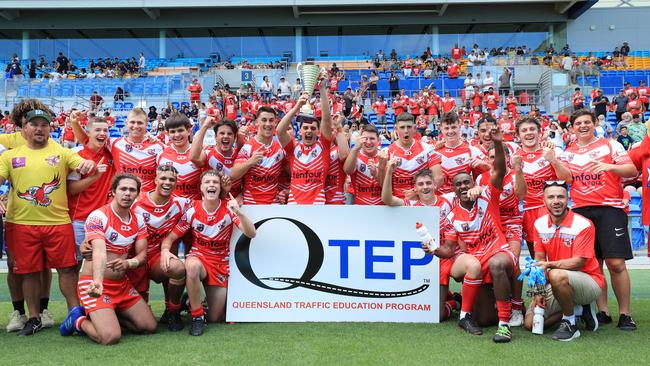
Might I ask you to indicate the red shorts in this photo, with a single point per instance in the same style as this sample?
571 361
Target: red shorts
445 269
513 232
217 269
139 278
36 247
529 221
153 259
485 269
118 295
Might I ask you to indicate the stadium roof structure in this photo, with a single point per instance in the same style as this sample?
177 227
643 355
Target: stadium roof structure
70 15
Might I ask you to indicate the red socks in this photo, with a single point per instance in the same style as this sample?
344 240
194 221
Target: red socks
198 312
504 309
470 289
173 308
517 304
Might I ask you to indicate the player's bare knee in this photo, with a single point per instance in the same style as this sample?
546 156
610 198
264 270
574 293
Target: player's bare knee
149 327
497 265
110 337
615 265
193 269
558 277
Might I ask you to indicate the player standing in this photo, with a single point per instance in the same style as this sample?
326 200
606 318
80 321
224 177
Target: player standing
363 165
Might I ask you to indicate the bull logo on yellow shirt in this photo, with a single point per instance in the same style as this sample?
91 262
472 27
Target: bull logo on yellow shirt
38 194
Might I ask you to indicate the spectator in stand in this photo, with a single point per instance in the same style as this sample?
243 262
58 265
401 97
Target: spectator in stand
524 98
141 63
32 69
504 81
152 115
620 102
266 89
96 101
456 53
636 128
380 107
488 82
393 82
296 90
195 90
643 91
453 71
578 100
634 105
62 64
625 49
285 88
625 139
119 94
597 166
600 103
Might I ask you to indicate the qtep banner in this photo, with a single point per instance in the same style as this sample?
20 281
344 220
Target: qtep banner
334 263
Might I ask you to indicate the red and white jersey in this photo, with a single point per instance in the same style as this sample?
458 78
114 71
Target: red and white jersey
309 166
119 236
448 104
478 228
189 175
138 159
590 188
159 219
508 201
643 93
223 164
491 101
410 161
367 190
211 231
442 203
261 181
335 180
455 160
537 170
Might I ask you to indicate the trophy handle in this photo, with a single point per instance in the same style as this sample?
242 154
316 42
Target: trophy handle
299 68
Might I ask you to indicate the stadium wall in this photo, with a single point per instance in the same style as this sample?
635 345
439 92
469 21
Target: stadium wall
602 29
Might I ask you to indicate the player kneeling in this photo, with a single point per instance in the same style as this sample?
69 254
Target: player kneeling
211 221
107 296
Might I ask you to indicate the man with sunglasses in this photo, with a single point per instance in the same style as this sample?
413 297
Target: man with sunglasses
597 166
564 247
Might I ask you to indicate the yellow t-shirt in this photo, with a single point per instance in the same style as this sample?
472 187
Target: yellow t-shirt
38 183
10 141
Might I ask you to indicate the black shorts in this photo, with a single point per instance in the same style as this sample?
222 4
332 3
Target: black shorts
612 235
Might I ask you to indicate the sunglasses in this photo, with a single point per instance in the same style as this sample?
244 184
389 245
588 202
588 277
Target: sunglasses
555 183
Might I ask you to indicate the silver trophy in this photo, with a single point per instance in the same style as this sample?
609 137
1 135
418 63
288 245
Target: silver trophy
308 74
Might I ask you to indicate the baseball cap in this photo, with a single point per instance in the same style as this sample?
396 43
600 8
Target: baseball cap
38 113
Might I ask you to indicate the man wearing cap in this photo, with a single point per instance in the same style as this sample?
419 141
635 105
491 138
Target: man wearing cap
96 101
564 247
38 231
636 129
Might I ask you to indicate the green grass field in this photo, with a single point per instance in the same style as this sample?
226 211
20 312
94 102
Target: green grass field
332 343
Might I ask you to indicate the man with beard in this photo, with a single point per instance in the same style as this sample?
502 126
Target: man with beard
363 166
107 296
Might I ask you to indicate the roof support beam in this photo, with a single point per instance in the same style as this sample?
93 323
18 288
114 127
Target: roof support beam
152 13
562 8
10 14
443 9
296 12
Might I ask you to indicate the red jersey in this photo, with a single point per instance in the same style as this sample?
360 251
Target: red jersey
335 180
96 195
136 158
255 106
507 127
455 53
110 120
380 107
574 237
261 181
119 236
537 170
595 189
399 107
578 98
432 104
643 93
509 213
640 156
421 122
448 104
455 160
211 231
223 164
230 107
442 203
245 106
367 190
417 157
288 105
415 107
68 135
189 176
453 71
159 219
634 106
309 167
628 91
491 101
479 227
195 91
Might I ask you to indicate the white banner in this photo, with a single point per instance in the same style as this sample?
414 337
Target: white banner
334 263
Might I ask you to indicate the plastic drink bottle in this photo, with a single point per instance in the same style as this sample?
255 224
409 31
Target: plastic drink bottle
425 236
538 320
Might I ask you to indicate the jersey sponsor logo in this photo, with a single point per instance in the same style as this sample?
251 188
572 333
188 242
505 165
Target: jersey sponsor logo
459 161
151 152
464 226
570 157
298 154
181 157
146 216
53 160
420 159
124 228
18 162
362 168
38 195
112 237
593 154
200 227
219 167
106 299
158 210
128 148
133 292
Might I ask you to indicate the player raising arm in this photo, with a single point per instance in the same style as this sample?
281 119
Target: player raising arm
211 223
